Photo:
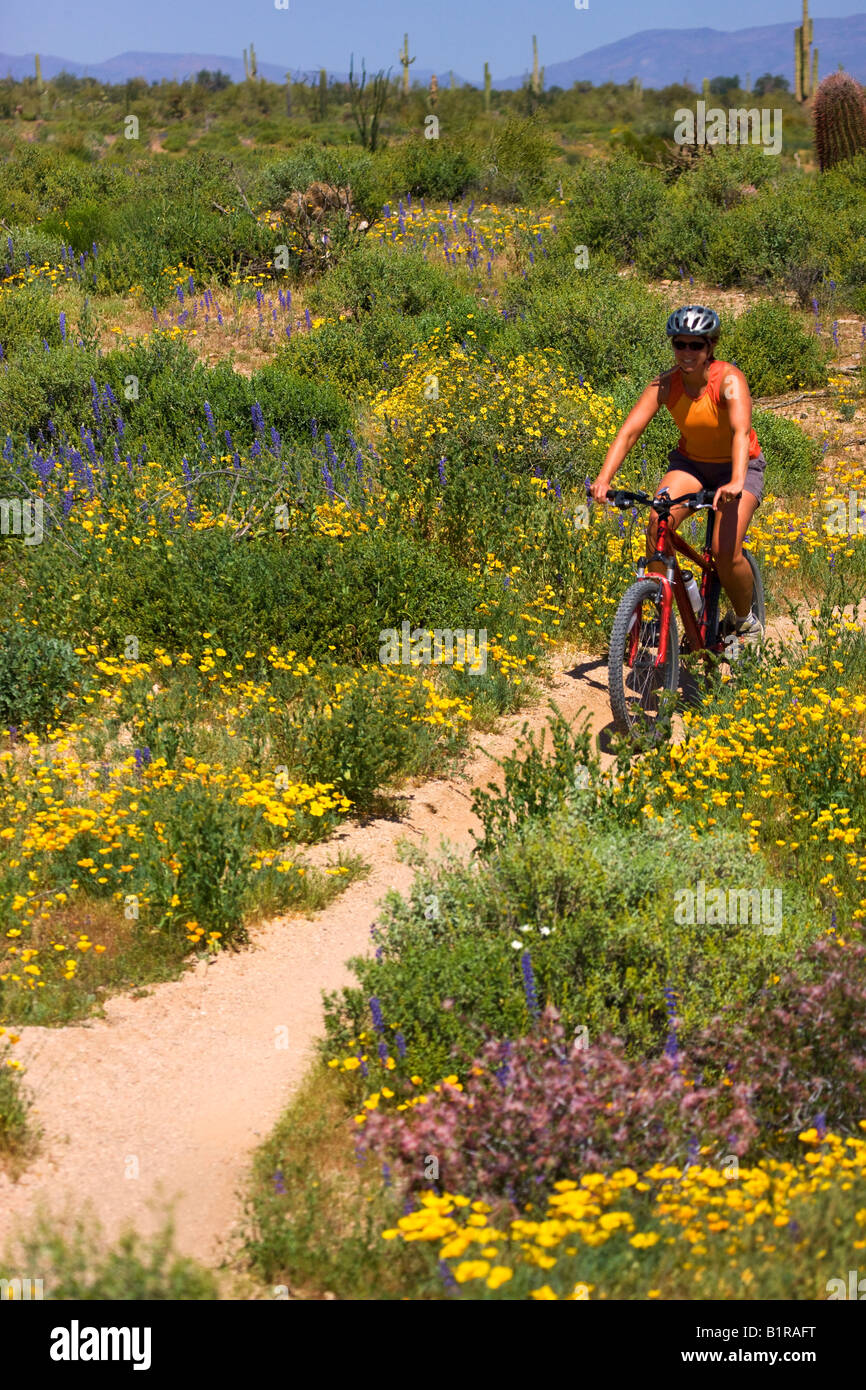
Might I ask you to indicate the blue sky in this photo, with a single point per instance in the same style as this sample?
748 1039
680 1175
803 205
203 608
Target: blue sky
321 33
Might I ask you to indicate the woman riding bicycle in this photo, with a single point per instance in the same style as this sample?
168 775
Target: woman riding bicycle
717 449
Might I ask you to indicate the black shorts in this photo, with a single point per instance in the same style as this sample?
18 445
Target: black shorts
713 475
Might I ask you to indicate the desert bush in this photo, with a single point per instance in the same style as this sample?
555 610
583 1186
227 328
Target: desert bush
342 167
75 1264
32 246
36 676
604 325
615 204
773 350
538 1110
594 911
792 455
437 169
28 315
518 158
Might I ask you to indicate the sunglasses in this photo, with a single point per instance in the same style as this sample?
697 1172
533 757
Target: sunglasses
680 345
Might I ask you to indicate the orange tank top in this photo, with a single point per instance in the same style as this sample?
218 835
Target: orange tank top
705 430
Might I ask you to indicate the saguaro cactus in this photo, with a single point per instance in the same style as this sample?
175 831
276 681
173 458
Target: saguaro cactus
486 86
839 118
815 70
406 62
434 89
803 67
706 91
323 93
246 67
253 68
537 75
38 72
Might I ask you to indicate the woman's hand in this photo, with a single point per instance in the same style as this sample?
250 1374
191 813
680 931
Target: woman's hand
599 489
730 492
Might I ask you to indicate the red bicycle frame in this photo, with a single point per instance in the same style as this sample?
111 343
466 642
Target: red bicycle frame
667 543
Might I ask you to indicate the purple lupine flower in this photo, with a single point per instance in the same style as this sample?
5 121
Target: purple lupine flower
68 499
376 1011
191 285
442 477
671 1048
382 1050
179 293
821 1124
63 325
529 984
309 321
386 1174
208 415
447 1277
400 1043
43 468
258 417
142 758
329 482
279 1185
275 439
119 426
365 1070
314 428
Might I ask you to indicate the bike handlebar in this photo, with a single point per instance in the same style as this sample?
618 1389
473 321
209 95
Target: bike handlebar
695 500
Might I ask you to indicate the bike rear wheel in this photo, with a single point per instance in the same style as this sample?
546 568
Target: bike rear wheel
638 689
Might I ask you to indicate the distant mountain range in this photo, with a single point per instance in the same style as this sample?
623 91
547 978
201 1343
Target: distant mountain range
658 57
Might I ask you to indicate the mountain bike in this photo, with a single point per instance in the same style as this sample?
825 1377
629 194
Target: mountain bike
644 661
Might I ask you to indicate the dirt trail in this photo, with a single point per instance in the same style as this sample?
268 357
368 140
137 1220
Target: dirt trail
168 1095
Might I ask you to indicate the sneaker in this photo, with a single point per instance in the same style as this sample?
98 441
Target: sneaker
750 630
747 632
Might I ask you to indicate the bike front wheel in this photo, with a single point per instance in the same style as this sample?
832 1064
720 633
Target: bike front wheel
641 693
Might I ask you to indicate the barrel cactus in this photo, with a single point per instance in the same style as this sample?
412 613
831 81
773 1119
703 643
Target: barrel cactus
839 115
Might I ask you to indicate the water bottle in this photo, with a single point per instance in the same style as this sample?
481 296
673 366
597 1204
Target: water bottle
693 591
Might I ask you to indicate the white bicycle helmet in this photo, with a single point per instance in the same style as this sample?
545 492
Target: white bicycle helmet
694 318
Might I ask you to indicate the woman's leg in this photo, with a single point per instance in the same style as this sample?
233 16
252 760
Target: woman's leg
732 523
678 484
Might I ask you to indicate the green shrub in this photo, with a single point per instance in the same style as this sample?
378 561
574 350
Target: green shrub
520 153
605 325
773 350
40 386
434 168
615 204
792 455
36 673
28 314
74 1264
595 908
35 242
366 175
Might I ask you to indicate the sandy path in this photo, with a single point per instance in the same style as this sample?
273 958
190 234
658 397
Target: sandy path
169 1094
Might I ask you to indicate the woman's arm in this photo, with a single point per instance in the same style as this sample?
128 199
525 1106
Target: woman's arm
647 405
735 395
